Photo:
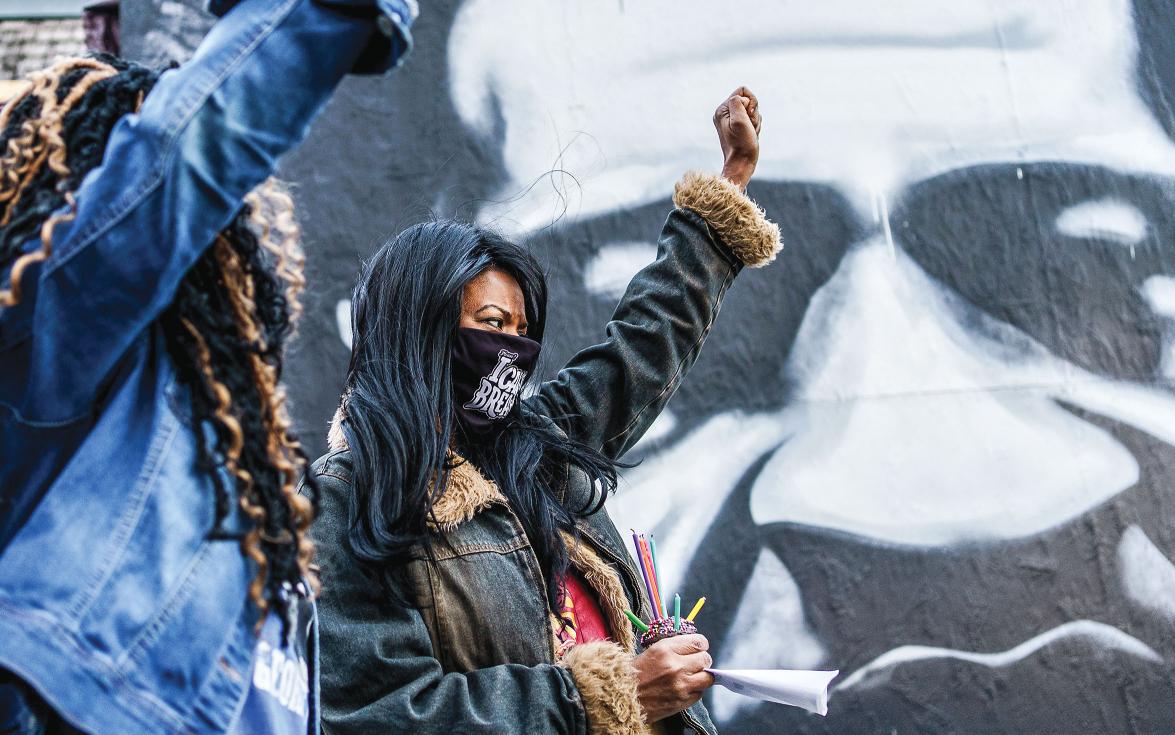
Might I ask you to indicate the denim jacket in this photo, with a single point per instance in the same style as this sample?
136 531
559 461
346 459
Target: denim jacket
475 652
115 606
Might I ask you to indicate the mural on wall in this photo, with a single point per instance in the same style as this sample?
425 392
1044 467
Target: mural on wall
934 444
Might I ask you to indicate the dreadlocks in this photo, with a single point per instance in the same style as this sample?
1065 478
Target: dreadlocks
226 328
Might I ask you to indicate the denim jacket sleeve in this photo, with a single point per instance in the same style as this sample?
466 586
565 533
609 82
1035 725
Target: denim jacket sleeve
173 176
608 395
386 49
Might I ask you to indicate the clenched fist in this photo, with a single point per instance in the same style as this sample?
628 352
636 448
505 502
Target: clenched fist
738 123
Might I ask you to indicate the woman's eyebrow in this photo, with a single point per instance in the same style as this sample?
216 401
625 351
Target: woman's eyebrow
495 306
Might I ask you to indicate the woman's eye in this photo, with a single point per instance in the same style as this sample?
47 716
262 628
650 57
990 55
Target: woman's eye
495 323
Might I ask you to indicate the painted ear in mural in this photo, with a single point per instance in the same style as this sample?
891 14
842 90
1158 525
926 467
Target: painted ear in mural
738 123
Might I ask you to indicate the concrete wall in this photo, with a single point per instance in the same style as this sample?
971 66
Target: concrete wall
29 45
933 446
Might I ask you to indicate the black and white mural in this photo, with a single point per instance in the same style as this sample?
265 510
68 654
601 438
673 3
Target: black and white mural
934 445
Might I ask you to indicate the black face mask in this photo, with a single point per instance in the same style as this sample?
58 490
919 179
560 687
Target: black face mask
489 370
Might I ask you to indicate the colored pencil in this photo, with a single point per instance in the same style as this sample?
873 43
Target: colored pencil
656 566
648 556
637 621
644 573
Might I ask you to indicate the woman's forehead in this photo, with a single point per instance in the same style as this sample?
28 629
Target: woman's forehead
495 287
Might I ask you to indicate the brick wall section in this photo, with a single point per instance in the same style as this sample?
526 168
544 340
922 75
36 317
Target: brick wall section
29 45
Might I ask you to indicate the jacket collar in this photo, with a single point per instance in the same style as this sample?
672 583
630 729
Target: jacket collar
336 441
469 492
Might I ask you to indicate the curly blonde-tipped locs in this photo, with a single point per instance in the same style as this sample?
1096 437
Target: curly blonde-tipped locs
41 144
283 450
271 216
231 426
225 332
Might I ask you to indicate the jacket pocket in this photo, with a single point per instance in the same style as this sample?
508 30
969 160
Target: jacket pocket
482 596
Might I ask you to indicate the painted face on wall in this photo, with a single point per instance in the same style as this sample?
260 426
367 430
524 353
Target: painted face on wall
933 445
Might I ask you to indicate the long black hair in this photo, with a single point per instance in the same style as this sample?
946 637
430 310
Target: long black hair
398 416
226 327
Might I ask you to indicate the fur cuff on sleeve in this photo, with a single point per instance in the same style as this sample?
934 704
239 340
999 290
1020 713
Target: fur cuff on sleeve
742 224
606 680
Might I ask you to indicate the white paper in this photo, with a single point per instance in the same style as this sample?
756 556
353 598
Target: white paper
807 689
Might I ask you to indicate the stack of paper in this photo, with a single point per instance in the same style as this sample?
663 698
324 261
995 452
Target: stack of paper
807 689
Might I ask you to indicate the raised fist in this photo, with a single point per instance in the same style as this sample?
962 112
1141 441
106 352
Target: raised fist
738 123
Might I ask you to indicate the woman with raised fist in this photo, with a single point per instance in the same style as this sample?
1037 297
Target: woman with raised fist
476 583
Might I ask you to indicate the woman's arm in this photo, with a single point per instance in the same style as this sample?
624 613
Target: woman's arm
609 394
379 676
175 174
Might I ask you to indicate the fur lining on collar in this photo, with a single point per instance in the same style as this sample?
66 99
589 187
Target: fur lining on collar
741 224
605 581
468 493
335 439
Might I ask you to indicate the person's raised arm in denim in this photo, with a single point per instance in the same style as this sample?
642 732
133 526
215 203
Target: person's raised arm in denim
148 519
173 176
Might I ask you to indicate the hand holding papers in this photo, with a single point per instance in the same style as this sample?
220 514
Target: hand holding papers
807 689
